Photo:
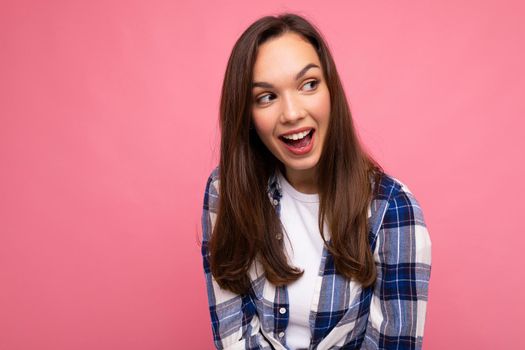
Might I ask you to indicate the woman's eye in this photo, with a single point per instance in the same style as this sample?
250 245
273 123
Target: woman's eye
263 99
313 82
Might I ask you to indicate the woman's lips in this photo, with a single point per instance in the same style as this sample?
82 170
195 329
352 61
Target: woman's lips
300 150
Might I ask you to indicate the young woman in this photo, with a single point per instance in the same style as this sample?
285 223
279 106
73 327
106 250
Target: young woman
307 242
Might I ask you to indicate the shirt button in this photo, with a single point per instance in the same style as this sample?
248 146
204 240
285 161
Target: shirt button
282 310
281 334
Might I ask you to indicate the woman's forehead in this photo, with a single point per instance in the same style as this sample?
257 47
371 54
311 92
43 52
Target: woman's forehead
284 55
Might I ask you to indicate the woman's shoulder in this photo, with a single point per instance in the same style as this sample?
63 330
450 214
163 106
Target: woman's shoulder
214 174
402 204
403 225
214 177
212 190
390 187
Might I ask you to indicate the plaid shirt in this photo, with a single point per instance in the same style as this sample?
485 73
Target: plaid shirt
388 315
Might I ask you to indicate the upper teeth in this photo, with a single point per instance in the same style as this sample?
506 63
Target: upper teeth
297 136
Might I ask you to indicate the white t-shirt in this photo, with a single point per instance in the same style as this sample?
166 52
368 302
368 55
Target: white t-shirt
299 215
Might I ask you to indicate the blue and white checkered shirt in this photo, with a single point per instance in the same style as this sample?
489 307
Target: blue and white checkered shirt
388 315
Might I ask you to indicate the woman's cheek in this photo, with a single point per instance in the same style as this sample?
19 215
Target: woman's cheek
263 125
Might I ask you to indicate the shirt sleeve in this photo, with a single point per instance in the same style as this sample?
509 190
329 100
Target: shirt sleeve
403 260
234 320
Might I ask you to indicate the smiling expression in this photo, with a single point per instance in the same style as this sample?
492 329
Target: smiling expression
290 97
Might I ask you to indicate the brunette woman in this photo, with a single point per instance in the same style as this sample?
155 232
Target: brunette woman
307 242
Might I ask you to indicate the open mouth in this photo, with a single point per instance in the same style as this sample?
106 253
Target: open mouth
298 140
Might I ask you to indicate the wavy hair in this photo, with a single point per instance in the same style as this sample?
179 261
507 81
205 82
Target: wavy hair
246 223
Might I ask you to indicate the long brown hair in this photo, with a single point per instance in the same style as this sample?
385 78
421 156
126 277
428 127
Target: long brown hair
247 223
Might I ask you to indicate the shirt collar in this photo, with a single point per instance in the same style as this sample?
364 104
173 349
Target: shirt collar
274 189
275 192
376 209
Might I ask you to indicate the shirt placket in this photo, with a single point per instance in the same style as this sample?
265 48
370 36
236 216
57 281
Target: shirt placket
281 304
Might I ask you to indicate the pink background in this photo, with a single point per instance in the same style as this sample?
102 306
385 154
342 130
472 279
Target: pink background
108 131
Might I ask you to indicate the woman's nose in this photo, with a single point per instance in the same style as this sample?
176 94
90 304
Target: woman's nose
292 108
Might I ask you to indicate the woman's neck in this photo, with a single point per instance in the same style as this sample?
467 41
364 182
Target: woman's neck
304 181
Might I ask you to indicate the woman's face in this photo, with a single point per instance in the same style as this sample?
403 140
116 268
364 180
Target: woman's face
291 103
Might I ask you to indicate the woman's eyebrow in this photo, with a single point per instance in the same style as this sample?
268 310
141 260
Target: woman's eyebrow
302 72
